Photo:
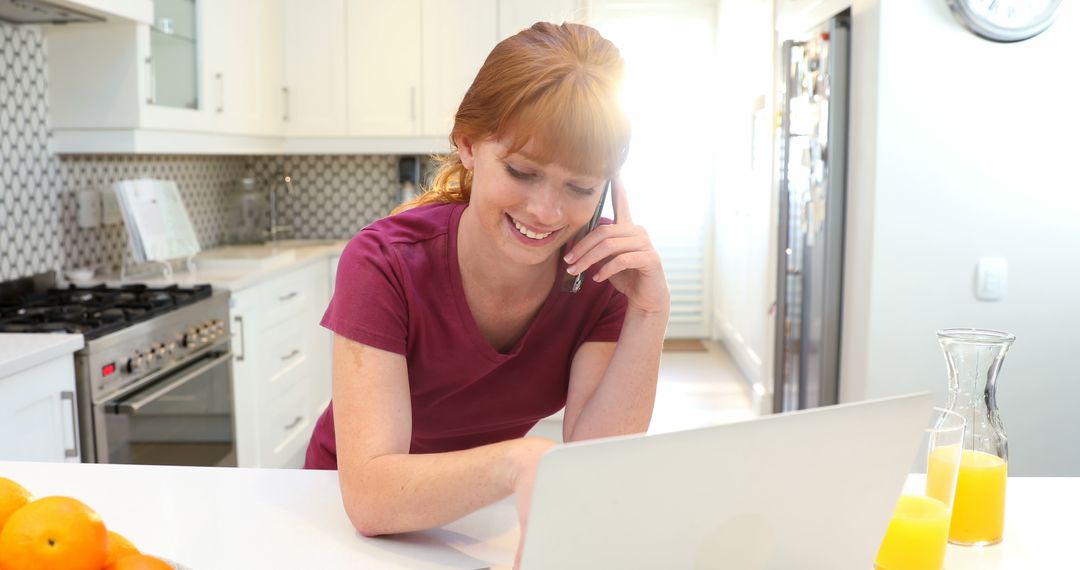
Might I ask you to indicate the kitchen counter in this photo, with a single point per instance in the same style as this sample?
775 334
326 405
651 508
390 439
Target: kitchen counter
20 351
208 518
304 252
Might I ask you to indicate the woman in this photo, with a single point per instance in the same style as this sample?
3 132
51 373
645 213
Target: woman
453 336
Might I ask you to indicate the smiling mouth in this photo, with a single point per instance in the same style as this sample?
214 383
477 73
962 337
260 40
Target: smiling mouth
527 232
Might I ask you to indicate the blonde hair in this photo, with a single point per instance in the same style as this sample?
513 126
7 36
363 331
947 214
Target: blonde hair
555 85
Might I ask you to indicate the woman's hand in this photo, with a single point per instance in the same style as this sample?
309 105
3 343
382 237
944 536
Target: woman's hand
527 459
628 257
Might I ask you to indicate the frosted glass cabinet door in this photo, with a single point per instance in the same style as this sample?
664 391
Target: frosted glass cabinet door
174 54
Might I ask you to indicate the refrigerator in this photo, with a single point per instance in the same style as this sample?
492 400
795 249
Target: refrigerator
810 170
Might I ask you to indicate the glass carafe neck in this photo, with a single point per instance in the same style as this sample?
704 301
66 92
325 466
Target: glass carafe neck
973 358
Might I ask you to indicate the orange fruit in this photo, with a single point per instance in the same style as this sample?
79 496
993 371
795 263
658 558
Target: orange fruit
139 562
118 548
12 497
54 532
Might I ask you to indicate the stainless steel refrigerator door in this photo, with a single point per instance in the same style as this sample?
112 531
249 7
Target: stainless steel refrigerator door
812 180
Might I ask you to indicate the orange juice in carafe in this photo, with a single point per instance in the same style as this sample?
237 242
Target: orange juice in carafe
974 359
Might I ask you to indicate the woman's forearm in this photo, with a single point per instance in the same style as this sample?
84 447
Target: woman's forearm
623 401
406 492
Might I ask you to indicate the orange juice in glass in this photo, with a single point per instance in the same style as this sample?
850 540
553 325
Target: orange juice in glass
919 528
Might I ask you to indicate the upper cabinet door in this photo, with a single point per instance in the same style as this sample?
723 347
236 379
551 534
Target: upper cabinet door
243 65
457 37
315 70
383 67
516 15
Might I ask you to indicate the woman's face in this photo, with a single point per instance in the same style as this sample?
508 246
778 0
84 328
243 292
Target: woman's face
527 209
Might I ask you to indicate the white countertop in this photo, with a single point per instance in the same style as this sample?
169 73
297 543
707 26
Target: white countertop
19 351
241 278
207 518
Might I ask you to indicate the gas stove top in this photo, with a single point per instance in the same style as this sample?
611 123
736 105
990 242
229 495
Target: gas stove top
93 311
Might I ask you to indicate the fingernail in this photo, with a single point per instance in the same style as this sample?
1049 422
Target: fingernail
568 257
571 270
596 278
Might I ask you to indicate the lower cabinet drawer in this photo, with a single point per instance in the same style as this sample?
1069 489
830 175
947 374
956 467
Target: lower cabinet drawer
286 427
283 360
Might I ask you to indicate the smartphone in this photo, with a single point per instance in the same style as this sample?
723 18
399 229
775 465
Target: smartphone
572 283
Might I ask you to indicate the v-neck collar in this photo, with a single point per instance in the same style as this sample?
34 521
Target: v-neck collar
475 335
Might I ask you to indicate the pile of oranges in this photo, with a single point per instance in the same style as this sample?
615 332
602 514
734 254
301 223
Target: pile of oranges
61 533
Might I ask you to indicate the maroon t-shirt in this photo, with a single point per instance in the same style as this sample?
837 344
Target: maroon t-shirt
399 289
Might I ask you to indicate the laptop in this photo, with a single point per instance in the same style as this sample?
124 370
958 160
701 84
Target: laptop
807 490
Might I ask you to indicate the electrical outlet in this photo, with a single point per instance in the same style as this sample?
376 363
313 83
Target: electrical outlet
89 208
110 208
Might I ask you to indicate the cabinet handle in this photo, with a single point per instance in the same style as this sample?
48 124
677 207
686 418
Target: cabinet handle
152 88
296 421
412 103
285 104
220 92
72 451
289 296
243 350
294 352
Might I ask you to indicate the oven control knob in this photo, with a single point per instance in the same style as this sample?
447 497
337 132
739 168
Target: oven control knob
134 364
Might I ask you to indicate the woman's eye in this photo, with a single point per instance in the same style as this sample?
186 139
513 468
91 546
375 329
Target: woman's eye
518 174
582 191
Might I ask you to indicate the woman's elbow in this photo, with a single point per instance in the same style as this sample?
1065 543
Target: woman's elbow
366 519
364 512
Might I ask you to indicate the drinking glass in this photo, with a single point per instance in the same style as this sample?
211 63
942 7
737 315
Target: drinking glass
919 529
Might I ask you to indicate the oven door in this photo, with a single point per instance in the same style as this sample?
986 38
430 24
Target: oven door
183 418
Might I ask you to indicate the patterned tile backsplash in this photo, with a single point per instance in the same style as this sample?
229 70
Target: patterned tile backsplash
335 195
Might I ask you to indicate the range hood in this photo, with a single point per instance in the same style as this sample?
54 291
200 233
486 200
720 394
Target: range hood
41 12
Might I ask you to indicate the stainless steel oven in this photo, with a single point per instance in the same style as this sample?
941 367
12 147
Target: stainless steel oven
179 416
160 391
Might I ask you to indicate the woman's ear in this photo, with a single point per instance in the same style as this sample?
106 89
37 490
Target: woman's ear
465 151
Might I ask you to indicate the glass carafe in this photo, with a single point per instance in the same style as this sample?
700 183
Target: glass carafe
974 358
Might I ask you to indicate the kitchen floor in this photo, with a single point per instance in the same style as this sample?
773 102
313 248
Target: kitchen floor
695 389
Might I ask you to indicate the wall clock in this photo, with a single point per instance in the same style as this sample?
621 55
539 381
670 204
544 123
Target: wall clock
1005 20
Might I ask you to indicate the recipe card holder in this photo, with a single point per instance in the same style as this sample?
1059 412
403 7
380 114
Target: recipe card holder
158 226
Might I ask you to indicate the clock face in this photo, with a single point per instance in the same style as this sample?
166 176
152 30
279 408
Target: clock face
1006 20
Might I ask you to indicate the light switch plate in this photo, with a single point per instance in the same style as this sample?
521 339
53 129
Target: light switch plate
991 278
89 208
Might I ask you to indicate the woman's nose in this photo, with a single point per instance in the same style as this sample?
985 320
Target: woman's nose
545 205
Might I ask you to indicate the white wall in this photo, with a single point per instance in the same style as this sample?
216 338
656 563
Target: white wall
962 148
743 270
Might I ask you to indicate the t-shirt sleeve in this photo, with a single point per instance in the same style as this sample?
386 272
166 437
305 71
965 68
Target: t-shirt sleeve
369 304
609 325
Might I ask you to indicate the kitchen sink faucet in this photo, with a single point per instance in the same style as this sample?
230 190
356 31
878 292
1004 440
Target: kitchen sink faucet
275 229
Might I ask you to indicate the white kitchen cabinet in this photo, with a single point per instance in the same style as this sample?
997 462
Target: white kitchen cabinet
37 413
457 37
244 70
207 80
384 50
322 340
516 15
316 73
280 365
